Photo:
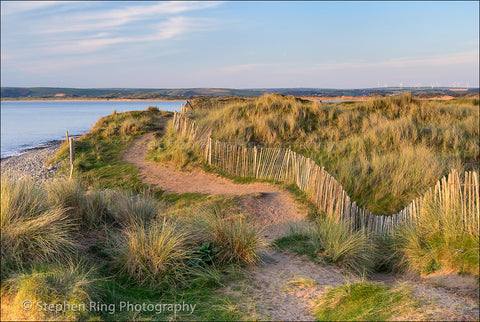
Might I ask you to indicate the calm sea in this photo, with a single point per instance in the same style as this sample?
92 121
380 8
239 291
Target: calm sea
26 125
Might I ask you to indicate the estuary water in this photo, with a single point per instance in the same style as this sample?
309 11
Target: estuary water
31 124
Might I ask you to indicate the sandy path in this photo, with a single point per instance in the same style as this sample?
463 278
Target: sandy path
271 208
171 180
285 286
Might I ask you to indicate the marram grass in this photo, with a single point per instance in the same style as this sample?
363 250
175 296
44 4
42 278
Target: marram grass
237 240
153 255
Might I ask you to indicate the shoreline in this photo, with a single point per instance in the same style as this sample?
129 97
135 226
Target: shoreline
39 146
32 162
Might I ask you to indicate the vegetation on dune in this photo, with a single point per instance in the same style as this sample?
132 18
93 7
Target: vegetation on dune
140 240
236 239
32 231
98 153
364 301
438 240
376 149
331 241
379 149
151 255
52 284
175 148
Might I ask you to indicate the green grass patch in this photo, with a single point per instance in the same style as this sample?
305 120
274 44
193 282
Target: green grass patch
365 302
98 153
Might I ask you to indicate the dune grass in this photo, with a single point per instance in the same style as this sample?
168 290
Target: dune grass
376 149
364 301
331 241
237 240
174 148
438 240
55 284
136 244
32 231
152 255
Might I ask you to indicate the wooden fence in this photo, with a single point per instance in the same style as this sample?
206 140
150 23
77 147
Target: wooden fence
324 190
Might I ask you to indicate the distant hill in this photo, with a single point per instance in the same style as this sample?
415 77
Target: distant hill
134 93
187 93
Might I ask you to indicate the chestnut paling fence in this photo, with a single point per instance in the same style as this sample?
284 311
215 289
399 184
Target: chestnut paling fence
282 164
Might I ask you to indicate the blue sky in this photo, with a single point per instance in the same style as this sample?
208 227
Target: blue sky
239 44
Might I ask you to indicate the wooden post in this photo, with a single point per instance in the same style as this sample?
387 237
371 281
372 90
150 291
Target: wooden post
255 161
66 133
72 156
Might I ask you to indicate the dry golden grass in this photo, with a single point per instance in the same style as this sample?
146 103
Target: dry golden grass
378 150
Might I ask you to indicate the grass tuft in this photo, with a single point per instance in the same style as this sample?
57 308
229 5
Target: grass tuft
55 284
153 255
31 230
237 240
365 302
438 239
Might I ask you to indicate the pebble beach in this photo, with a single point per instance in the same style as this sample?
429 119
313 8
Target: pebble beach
32 163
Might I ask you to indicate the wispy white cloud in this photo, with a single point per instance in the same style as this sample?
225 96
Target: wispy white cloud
84 28
170 28
108 19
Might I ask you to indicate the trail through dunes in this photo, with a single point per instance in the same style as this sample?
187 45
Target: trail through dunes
285 286
272 208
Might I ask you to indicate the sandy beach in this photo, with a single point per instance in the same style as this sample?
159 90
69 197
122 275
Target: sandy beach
32 163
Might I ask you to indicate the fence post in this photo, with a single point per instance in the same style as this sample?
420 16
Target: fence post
72 156
210 151
255 161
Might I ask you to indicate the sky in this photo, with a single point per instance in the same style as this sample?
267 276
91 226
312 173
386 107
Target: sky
234 44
